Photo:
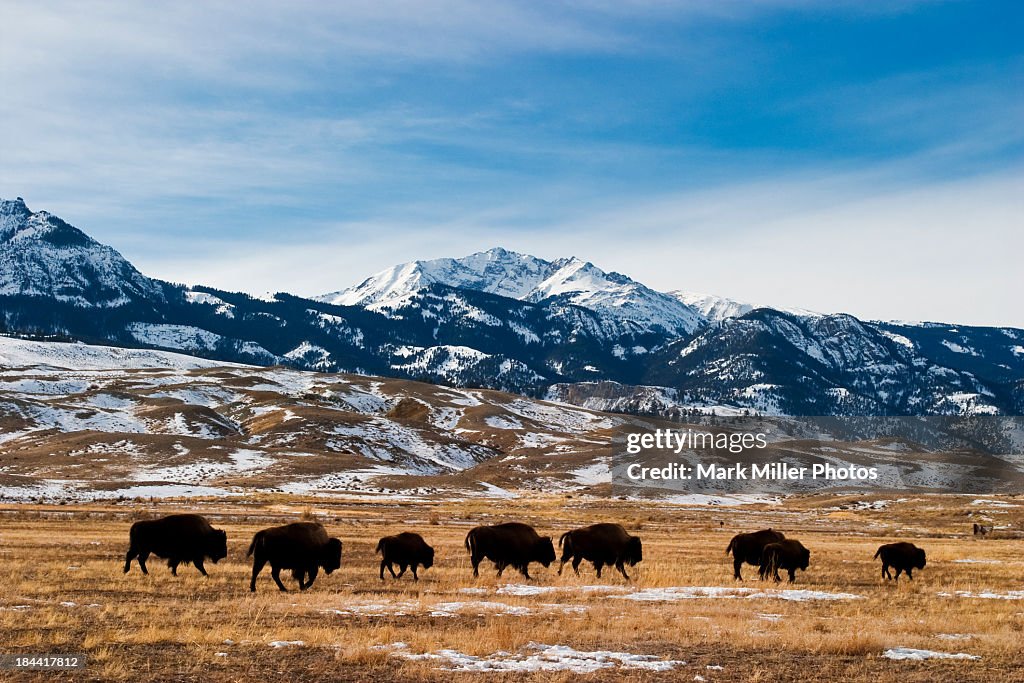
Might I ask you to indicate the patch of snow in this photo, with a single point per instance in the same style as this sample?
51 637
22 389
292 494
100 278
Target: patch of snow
904 653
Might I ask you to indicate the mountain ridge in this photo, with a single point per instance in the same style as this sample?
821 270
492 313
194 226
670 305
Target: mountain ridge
453 321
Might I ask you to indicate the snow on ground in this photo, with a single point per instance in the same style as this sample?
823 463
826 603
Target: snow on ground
985 595
902 653
494 491
65 490
560 418
539 657
721 500
503 422
24 353
994 503
674 593
595 473
242 460
448 609
968 560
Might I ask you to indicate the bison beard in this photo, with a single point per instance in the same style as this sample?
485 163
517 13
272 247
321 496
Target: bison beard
178 539
303 547
602 544
509 545
747 548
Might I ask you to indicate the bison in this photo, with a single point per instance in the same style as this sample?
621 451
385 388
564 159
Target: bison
178 539
602 544
747 548
788 554
511 544
303 547
903 557
406 550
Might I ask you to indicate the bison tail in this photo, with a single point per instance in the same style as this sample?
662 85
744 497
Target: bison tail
562 538
380 546
256 540
729 549
470 541
877 553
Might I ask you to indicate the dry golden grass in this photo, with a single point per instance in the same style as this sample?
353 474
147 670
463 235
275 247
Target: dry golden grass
161 627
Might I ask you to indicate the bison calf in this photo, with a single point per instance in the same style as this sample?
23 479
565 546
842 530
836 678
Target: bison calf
747 548
903 557
178 539
789 555
303 547
406 550
509 545
602 544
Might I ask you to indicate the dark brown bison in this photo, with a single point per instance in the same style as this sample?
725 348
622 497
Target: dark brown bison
789 555
602 544
747 548
303 547
903 557
406 550
509 545
178 539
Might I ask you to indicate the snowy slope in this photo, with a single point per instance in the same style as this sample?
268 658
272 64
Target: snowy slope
527 278
717 308
24 353
42 256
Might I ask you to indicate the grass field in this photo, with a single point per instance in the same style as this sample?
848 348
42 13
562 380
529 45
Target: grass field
64 591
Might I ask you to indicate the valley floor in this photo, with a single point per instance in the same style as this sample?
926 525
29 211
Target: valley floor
682 618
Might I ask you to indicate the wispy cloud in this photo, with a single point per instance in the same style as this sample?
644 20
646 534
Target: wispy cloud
651 137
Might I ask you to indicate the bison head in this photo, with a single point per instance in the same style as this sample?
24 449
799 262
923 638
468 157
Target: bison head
428 557
805 558
217 545
919 559
545 551
330 557
634 551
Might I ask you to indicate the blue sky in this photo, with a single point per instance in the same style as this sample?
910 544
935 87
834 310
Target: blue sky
830 155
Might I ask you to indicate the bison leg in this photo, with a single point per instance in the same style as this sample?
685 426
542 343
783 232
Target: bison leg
475 559
560 567
736 564
401 570
382 564
792 575
313 571
899 570
622 570
257 566
885 572
275 573
525 569
143 556
598 566
198 562
415 577
910 573
132 552
576 564
173 564
501 567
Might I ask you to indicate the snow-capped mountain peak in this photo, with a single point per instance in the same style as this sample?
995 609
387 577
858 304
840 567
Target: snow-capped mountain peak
42 256
528 278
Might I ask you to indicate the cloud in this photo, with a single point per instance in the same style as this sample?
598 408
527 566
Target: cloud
944 251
